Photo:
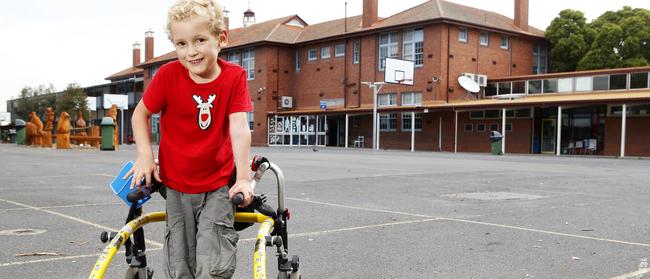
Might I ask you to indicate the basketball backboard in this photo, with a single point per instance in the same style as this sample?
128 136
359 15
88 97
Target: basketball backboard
399 71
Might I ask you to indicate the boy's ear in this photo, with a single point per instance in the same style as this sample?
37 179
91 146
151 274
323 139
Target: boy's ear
223 39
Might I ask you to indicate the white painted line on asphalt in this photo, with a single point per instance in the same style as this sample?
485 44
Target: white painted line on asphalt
62 176
65 258
479 223
635 274
73 205
73 218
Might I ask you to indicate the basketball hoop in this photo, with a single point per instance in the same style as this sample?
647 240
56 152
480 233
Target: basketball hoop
404 80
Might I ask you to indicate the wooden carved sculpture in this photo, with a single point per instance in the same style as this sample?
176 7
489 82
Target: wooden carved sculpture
63 131
49 126
33 130
112 113
81 125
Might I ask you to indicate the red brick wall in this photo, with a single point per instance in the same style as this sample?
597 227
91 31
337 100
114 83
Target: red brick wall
636 138
517 141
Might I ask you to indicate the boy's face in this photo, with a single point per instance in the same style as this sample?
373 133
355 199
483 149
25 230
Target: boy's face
197 48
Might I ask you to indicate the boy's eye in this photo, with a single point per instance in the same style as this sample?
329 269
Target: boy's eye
200 40
180 44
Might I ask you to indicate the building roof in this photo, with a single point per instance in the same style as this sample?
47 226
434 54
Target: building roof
293 30
126 73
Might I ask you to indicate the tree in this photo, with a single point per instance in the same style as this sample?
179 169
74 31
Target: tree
614 40
623 40
34 99
72 100
570 37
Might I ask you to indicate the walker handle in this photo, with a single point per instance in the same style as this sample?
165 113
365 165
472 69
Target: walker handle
238 198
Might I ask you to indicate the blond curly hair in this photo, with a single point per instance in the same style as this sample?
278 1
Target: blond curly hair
208 9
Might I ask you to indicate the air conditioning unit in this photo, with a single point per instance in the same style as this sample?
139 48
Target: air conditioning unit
469 75
481 80
287 102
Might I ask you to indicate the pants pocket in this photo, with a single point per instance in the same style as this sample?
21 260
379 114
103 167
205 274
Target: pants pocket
226 259
169 270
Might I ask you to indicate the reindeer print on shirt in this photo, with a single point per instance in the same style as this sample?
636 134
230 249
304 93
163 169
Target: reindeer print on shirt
204 116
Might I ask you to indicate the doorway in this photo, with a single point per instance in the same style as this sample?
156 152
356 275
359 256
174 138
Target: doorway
549 130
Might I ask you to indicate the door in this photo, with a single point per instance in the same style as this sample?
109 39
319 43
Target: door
548 135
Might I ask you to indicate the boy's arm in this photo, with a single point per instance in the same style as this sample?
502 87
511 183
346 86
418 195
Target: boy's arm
240 136
144 164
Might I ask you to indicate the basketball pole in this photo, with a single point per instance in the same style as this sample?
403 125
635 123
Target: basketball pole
376 87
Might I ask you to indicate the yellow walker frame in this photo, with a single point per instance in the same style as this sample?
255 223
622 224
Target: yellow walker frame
272 232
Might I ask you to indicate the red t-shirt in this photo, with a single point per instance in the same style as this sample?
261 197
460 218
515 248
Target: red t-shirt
195 152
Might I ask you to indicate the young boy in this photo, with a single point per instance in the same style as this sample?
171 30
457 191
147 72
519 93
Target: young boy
203 102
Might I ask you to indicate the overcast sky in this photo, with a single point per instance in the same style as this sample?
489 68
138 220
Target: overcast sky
85 41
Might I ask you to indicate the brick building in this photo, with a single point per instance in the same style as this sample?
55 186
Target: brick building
306 84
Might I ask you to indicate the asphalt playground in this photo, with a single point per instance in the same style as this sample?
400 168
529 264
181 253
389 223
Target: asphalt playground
358 214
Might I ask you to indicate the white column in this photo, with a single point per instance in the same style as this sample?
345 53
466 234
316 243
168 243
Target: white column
122 127
440 133
503 132
558 140
623 129
377 135
412 131
347 121
375 143
456 132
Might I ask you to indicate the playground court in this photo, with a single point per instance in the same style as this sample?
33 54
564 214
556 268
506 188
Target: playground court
359 214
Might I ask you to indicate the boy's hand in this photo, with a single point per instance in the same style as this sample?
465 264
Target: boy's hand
242 186
143 168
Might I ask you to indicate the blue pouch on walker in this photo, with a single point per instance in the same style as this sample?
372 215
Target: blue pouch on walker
122 187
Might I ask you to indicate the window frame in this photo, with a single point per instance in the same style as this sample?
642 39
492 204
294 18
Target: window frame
325 53
297 62
406 118
355 52
505 39
415 102
389 120
248 62
484 35
390 48
463 31
313 51
387 100
416 44
336 50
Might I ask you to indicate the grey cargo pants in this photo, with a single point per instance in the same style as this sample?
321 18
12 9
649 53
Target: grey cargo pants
200 241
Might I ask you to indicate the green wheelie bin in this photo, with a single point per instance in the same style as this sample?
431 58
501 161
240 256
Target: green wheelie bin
106 131
496 139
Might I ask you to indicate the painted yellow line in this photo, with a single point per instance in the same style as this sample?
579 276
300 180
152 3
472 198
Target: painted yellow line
73 218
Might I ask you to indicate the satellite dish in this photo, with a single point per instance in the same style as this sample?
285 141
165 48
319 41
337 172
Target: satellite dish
469 84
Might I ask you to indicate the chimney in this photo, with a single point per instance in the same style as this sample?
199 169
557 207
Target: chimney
148 45
226 20
369 16
521 14
136 54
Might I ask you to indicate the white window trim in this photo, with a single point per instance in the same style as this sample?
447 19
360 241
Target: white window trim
309 52
507 40
487 38
413 103
355 52
249 63
387 117
298 62
388 97
339 54
413 43
406 115
388 46
463 30
322 52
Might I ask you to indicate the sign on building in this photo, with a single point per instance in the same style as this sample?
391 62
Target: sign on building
122 101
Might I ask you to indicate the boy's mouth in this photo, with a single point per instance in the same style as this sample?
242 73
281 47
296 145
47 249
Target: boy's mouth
195 61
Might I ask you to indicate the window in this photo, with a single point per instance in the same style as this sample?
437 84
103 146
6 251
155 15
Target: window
565 85
311 54
550 85
601 83
469 128
339 50
539 58
251 117
153 71
387 48
504 88
638 80
387 122
617 82
462 35
233 57
413 46
518 87
480 127
297 60
248 62
355 53
534 86
505 42
494 127
411 99
477 114
508 127
324 52
485 38
584 84
387 99
406 121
